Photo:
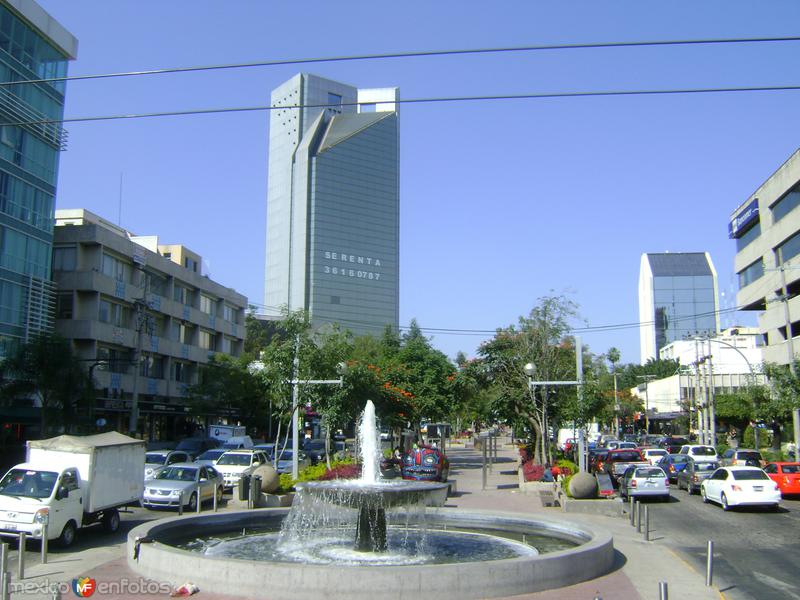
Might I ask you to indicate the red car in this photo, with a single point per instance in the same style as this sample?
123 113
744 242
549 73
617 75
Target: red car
786 475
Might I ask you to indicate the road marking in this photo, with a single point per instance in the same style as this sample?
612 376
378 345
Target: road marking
776 583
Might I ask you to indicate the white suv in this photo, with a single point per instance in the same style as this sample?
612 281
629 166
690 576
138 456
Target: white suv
236 463
700 452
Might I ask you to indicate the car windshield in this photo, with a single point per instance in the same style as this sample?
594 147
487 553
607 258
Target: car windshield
790 468
649 473
32 484
177 474
211 455
237 460
623 456
749 456
707 466
704 451
749 474
152 458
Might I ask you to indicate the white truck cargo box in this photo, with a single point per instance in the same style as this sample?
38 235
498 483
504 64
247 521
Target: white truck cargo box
111 466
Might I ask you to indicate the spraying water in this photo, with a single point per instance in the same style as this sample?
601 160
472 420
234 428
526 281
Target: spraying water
370 445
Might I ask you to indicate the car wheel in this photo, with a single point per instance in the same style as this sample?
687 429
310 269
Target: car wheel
111 521
67 535
703 494
724 501
192 506
219 495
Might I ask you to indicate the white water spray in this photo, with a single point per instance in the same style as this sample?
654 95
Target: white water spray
370 445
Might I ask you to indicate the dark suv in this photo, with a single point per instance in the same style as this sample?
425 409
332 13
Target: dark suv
673 444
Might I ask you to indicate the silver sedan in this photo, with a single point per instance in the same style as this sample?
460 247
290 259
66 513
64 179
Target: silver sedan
182 483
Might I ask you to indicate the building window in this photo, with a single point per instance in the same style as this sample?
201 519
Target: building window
152 366
181 372
156 284
183 295
207 304
113 313
64 306
229 313
751 273
206 340
786 204
113 359
788 249
334 102
116 268
190 264
748 236
65 259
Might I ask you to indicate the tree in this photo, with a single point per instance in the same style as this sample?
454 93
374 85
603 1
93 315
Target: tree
46 369
541 339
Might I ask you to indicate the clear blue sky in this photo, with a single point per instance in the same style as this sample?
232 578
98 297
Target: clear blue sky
501 202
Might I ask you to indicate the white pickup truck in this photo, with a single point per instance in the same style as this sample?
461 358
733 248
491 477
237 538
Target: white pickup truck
70 482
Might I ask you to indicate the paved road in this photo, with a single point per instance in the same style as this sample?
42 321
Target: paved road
756 552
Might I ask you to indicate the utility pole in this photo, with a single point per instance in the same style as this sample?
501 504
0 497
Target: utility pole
712 416
142 325
790 348
616 406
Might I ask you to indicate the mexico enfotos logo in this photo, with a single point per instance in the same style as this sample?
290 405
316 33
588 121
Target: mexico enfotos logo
86 587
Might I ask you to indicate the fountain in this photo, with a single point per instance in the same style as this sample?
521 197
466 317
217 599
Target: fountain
348 539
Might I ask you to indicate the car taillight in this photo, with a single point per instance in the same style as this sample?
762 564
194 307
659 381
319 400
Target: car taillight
633 483
666 482
787 481
694 478
672 468
736 488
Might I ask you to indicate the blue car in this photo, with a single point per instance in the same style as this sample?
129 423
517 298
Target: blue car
673 464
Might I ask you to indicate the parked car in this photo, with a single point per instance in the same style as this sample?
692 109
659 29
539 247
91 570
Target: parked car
741 457
284 463
617 462
640 481
182 482
236 463
700 452
653 455
651 440
155 460
672 465
739 486
786 475
673 444
694 473
627 445
209 457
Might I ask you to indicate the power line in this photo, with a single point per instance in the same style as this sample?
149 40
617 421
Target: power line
413 54
484 98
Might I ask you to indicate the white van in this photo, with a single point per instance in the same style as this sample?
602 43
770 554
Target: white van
239 442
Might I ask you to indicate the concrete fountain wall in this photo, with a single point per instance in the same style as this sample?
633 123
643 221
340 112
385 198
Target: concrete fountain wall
593 557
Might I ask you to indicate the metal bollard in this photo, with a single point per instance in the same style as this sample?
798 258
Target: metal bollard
646 523
710 564
639 517
663 590
23 538
44 543
215 499
180 503
483 452
632 513
199 501
5 582
3 571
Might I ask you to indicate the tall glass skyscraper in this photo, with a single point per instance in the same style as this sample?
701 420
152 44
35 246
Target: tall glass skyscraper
677 299
333 200
33 46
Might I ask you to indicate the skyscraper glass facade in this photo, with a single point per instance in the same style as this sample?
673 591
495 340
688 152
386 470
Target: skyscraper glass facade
29 151
333 205
677 299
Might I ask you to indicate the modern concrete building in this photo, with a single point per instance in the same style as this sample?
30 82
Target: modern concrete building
33 46
120 295
333 204
677 299
766 229
708 367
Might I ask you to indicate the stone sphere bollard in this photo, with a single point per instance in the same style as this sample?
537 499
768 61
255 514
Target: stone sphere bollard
583 486
269 478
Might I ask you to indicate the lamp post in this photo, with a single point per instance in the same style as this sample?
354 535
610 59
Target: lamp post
647 379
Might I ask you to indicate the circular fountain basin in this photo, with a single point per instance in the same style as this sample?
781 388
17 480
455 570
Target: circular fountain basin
338 577
355 493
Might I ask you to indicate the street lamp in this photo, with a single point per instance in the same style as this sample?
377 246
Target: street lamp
341 369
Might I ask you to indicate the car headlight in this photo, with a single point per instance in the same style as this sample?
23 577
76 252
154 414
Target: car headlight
175 493
148 472
42 515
